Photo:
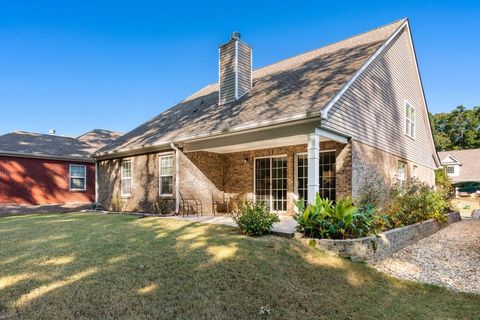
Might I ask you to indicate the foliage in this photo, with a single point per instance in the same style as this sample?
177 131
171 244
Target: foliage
163 206
324 219
117 204
414 201
254 218
459 129
442 179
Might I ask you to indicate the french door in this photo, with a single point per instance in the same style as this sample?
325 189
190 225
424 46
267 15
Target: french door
271 182
327 178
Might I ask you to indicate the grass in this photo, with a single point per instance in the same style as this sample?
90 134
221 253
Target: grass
88 265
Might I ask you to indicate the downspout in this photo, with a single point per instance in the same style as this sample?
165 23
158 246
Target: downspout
177 177
96 183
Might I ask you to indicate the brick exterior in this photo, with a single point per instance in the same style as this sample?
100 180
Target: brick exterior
366 158
41 181
206 176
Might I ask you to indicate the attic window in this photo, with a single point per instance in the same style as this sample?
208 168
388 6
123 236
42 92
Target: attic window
409 120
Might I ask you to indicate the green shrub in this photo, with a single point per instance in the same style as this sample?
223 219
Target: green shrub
255 218
442 179
117 204
342 220
414 201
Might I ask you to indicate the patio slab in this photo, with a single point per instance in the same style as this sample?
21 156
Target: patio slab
284 228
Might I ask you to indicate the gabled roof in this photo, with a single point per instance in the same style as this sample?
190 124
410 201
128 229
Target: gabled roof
22 143
295 88
470 161
449 159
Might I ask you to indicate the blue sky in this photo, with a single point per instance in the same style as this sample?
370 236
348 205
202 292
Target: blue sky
79 65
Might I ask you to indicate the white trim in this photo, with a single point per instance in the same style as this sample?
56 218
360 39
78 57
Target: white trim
236 69
160 175
177 177
422 92
84 177
347 85
44 156
255 176
96 181
126 195
219 75
295 167
405 165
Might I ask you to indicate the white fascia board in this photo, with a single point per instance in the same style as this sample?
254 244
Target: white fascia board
347 85
340 138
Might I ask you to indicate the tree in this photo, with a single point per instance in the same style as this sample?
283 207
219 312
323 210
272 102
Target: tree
459 129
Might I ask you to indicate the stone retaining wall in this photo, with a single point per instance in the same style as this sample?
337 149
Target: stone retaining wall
381 246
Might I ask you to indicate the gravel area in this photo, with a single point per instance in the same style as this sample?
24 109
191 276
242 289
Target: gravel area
450 258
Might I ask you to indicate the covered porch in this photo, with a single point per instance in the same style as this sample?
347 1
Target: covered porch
275 166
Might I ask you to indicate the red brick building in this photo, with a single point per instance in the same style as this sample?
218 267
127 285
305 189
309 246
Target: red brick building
44 169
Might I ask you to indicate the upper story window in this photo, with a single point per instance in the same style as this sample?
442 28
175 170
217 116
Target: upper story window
166 175
401 171
78 177
450 169
126 178
409 120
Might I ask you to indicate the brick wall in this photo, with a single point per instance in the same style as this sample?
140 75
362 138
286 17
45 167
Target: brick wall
366 158
41 181
206 175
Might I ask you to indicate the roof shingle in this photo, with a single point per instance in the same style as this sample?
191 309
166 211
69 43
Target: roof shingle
37 144
301 85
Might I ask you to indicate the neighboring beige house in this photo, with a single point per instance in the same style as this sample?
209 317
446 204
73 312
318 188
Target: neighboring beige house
462 166
316 122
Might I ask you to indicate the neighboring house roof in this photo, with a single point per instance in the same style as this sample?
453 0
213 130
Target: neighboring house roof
469 161
30 144
298 87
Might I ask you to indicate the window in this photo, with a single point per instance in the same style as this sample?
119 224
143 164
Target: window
409 120
78 176
271 182
327 175
402 167
302 176
450 169
327 178
166 175
415 174
126 178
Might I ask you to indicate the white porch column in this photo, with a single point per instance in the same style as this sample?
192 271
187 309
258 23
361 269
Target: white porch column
313 166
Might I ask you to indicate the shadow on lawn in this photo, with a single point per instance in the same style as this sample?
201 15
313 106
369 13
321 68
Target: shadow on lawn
92 266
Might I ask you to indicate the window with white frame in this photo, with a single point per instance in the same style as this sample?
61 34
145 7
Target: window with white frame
78 177
166 175
271 182
450 169
409 120
126 178
327 179
415 173
401 171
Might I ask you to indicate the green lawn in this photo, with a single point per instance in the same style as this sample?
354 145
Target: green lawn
88 265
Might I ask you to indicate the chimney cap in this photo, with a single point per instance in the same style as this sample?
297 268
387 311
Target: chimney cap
235 35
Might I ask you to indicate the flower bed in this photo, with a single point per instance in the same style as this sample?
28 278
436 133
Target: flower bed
381 245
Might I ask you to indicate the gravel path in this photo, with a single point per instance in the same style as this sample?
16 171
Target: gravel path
450 258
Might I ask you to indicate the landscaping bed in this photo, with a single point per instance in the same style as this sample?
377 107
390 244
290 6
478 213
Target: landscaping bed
379 246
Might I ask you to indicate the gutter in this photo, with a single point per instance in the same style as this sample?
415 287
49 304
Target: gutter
44 156
177 177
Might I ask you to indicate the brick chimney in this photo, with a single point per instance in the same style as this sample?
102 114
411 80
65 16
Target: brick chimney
235 69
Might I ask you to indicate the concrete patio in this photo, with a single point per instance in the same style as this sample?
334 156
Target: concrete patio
284 228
